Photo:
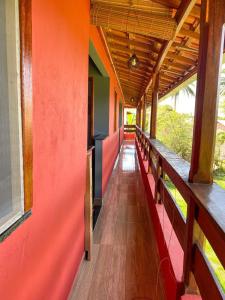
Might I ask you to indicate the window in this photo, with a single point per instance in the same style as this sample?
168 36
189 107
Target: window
15 137
115 111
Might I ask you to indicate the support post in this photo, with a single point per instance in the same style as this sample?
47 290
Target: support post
155 96
144 113
138 115
210 60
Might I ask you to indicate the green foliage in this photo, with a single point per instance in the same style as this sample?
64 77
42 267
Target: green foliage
175 130
222 83
131 118
220 140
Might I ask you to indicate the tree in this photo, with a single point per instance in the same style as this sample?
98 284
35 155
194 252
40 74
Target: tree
222 83
220 140
189 90
175 130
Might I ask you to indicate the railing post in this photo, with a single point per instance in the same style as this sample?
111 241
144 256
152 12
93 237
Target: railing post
138 115
157 183
187 276
144 113
154 106
210 60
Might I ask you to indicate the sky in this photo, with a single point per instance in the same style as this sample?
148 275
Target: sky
185 103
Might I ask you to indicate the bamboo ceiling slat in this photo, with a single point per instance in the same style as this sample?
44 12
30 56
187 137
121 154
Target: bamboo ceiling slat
142 5
127 20
169 3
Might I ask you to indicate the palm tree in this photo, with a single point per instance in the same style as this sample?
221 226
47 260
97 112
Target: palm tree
189 90
222 83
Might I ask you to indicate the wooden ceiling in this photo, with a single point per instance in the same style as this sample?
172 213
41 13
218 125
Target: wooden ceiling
164 35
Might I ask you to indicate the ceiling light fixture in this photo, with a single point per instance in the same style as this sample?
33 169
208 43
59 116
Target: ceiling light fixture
133 61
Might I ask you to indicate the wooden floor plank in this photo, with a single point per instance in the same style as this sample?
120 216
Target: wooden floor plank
124 264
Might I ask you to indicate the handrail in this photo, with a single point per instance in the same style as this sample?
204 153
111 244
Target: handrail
205 206
130 128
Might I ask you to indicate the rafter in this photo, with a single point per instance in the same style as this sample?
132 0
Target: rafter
144 55
182 13
146 47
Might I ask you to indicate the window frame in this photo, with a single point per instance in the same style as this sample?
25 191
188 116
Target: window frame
25 36
115 111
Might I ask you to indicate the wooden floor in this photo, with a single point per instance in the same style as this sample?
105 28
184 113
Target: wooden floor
124 263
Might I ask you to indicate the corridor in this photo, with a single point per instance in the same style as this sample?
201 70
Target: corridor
124 262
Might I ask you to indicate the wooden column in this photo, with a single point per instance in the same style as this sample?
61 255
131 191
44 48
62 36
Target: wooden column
210 60
155 92
144 112
138 115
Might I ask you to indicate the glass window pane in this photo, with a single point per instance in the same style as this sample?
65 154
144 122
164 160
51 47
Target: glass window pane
11 171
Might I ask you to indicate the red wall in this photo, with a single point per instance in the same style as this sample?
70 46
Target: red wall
110 152
40 259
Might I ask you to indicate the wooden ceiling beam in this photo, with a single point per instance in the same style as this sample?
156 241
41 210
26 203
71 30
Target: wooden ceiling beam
140 70
136 43
123 56
172 71
147 56
141 67
181 58
196 11
175 65
134 72
171 78
190 33
132 75
126 80
185 48
131 89
132 84
166 81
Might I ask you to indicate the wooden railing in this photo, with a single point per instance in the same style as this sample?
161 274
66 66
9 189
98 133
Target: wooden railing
130 128
205 213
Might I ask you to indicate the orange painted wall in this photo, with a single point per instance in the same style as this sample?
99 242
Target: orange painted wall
40 259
